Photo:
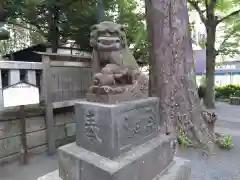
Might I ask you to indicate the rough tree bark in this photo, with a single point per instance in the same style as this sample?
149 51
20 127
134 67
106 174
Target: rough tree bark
172 77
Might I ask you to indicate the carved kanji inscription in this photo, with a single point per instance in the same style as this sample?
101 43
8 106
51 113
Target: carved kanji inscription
138 124
91 129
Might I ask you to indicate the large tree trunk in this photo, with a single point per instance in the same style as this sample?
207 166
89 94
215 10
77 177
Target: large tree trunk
173 76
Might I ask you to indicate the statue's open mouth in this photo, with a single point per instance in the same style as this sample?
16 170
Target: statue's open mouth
109 43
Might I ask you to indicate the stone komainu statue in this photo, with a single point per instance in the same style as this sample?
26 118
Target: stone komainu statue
117 76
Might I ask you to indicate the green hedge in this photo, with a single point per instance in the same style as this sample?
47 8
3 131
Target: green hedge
227 91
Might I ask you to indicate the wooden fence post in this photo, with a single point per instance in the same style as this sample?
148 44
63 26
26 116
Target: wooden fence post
49 118
14 76
1 92
31 77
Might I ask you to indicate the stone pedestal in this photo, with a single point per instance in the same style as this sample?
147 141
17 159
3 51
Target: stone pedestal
111 129
177 170
119 142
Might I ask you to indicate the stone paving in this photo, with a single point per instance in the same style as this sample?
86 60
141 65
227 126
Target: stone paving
223 165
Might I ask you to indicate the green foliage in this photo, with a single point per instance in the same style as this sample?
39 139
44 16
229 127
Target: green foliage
73 21
227 91
184 140
227 13
225 142
136 31
231 36
75 17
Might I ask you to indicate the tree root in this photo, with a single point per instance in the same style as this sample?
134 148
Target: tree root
190 137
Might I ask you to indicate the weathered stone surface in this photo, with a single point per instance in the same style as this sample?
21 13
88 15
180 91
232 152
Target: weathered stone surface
12 113
117 75
16 156
63 118
35 139
9 146
51 176
36 133
142 162
115 98
112 129
70 129
60 132
10 128
179 169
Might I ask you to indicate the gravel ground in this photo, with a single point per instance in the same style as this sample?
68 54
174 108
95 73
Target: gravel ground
38 166
222 165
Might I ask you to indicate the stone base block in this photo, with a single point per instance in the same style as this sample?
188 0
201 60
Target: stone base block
143 162
179 169
114 98
51 176
112 129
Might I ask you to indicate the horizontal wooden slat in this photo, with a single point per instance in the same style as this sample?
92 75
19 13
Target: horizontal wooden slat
70 64
65 103
20 65
55 55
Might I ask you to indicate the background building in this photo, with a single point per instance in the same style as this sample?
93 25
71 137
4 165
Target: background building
227 72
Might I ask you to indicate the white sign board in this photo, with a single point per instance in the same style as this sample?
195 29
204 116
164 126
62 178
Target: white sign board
225 67
20 94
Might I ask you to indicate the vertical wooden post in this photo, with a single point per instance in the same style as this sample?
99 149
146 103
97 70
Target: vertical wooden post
49 119
31 77
41 87
1 92
24 158
14 76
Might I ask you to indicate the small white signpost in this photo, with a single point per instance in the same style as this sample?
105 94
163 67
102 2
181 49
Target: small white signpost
21 94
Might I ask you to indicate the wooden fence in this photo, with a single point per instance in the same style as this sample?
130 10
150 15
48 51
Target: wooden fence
62 80
64 83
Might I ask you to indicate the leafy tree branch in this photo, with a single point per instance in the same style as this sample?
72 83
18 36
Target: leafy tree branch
226 38
196 6
234 13
21 25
